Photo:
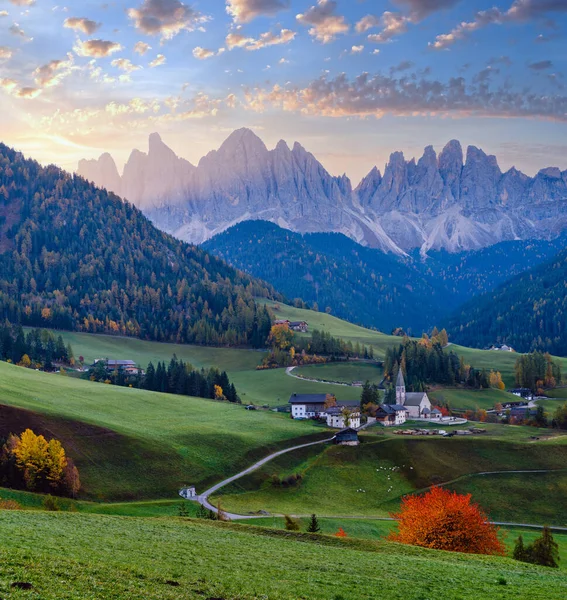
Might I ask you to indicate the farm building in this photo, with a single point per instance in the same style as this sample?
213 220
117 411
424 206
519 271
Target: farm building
347 437
300 326
391 414
308 406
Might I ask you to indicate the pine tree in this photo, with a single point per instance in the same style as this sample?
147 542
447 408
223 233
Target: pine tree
313 526
519 552
545 550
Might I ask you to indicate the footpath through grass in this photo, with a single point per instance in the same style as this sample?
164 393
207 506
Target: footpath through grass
71 556
369 480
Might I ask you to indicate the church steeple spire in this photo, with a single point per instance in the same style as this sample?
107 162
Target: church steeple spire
400 388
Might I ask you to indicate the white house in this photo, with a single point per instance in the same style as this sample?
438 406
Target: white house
188 492
336 417
417 404
309 406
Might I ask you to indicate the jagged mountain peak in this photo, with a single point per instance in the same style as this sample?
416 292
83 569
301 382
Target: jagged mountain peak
440 201
242 138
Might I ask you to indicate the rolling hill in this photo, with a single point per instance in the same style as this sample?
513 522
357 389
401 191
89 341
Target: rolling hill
75 257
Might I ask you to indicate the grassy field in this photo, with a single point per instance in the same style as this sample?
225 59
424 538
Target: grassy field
468 399
370 479
343 372
132 444
515 497
91 347
73 556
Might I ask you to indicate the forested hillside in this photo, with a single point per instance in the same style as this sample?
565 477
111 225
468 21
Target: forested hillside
367 286
330 270
529 312
75 257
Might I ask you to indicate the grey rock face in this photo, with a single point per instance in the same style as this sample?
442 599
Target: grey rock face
440 202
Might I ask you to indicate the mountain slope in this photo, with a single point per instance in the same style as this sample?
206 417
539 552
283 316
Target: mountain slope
529 312
76 257
446 202
367 286
359 284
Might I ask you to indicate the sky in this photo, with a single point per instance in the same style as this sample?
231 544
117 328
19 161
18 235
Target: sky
351 80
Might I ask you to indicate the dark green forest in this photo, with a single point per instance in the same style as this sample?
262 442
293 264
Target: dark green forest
76 257
366 286
529 312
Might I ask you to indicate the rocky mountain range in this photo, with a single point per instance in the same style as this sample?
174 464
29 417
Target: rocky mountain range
445 202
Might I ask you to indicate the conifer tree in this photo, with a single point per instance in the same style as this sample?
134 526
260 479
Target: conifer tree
313 526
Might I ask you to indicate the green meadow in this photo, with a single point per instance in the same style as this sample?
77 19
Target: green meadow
132 444
369 480
74 556
343 372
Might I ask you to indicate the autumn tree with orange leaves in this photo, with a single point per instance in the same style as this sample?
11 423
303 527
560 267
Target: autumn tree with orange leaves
446 520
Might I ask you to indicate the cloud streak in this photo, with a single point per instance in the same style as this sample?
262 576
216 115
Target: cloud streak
87 26
377 95
325 25
244 11
96 48
165 18
519 11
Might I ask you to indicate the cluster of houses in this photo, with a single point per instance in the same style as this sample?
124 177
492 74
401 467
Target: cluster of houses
502 348
298 326
345 413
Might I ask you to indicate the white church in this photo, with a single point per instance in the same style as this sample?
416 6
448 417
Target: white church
417 404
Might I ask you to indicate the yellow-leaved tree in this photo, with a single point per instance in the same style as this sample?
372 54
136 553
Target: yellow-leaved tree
44 465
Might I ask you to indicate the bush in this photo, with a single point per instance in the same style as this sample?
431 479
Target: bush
446 520
291 524
51 503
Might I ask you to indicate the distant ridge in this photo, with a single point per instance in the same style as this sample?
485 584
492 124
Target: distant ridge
440 202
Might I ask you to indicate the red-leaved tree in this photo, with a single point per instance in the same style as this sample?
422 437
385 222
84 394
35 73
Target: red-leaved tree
446 520
341 533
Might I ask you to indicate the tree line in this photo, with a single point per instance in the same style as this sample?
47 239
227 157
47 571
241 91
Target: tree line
537 371
38 348
425 362
177 377
286 348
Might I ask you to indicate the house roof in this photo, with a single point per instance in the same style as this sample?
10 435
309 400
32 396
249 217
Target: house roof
414 398
392 409
336 410
347 434
297 323
307 398
118 363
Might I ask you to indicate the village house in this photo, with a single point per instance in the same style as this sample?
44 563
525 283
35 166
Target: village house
340 417
347 437
299 326
312 406
391 414
188 492
417 404
128 367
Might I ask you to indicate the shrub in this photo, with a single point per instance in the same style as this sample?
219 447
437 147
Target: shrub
291 524
341 533
9 505
446 521
51 503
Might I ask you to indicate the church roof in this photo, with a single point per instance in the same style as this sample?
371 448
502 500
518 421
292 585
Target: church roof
414 398
400 380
